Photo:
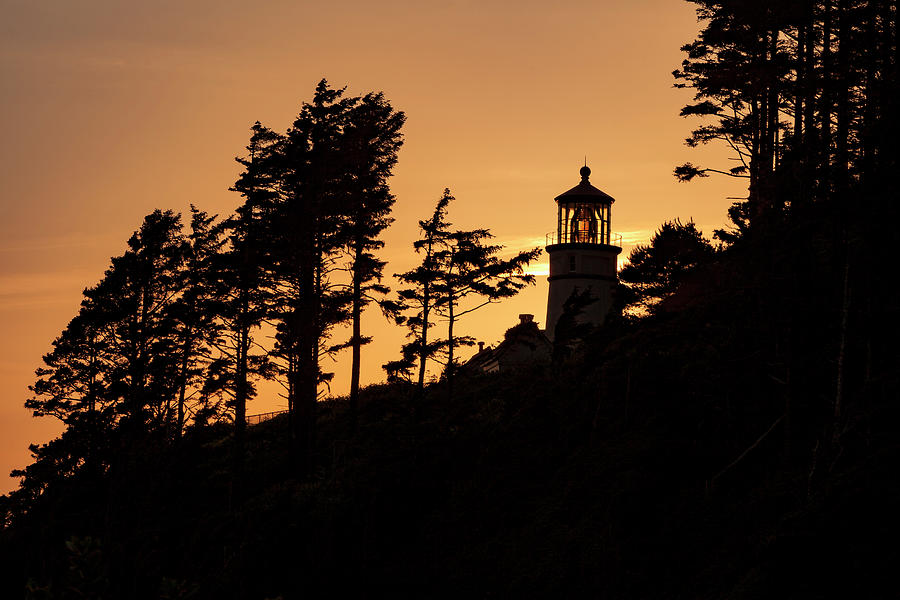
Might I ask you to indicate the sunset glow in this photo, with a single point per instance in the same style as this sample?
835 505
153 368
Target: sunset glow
113 109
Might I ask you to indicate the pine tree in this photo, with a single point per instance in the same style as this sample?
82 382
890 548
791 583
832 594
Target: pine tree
456 266
131 305
76 386
739 68
370 142
419 296
655 270
814 85
243 273
471 275
307 236
570 330
193 314
113 374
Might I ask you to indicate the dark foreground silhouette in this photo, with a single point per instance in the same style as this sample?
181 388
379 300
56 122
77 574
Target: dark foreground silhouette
682 456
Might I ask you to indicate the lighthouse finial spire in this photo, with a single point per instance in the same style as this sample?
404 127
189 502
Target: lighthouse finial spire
585 171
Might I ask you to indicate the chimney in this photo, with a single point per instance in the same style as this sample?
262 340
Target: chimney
524 318
480 346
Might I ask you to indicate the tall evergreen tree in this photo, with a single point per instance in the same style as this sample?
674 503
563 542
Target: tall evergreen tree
738 68
469 269
131 304
193 313
308 235
456 266
76 386
113 375
655 270
814 87
243 272
419 297
370 142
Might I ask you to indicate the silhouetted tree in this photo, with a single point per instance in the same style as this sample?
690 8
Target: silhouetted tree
570 330
118 358
739 219
738 68
370 142
467 268
193 313
806 94
655 270
420 297
803 92
307 237
76 386
403 368
243 274
132 303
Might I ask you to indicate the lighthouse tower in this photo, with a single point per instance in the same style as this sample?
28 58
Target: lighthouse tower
582 252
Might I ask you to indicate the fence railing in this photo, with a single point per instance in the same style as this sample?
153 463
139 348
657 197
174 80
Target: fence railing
257 419
554 237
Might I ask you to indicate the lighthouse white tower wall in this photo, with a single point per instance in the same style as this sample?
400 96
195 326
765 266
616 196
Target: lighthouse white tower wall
595 269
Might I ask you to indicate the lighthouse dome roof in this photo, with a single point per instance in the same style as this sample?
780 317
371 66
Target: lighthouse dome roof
585 192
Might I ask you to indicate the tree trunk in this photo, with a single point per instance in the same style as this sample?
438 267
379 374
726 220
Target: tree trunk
305 395
423 339
773 202
450 344
826 102
842 164
753 188
356 339
426 306
809 111
868 127
240 388
305 339
182 387
799 83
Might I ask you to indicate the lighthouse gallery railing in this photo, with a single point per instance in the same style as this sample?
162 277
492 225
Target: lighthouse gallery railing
570 237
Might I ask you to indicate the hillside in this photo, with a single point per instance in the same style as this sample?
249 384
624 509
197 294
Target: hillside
668 459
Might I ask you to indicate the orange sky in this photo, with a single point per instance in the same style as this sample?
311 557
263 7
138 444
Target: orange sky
111 109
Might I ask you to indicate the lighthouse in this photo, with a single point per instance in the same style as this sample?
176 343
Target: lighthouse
582 252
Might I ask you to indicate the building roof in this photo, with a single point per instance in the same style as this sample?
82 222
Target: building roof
522 345
584 191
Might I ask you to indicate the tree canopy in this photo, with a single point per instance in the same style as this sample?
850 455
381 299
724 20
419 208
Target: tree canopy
654 271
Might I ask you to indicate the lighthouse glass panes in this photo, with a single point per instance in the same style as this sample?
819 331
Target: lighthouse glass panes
583 223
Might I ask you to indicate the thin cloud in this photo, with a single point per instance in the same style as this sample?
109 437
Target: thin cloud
538 270
518 244
59 242
636 237
35 290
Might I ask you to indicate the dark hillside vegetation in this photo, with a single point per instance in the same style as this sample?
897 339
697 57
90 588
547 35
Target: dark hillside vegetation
614 475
